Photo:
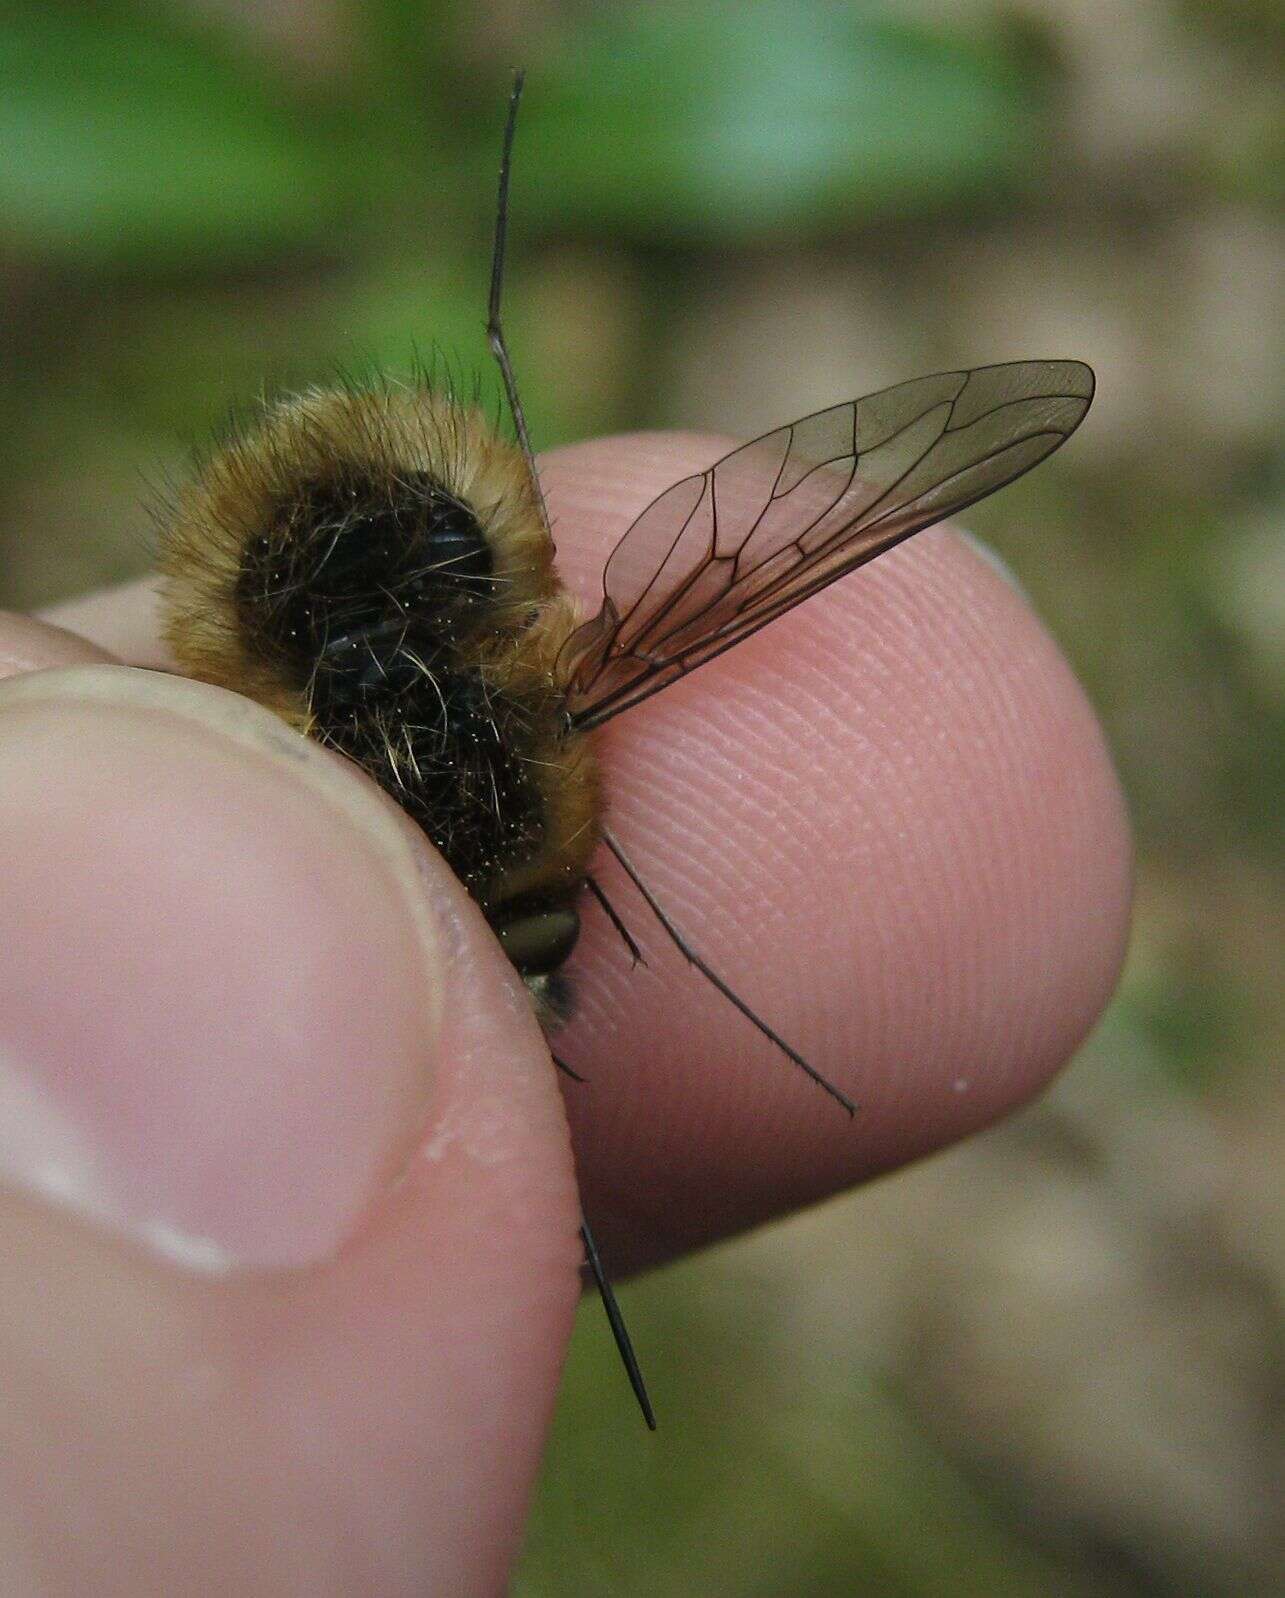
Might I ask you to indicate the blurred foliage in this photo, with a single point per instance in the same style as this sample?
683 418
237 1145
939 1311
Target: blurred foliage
128 144
731 124
864 1503
720 213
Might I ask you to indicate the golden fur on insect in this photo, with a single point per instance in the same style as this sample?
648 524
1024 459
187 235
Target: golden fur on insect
274 488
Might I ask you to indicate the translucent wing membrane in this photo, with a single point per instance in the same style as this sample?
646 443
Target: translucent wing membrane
721 554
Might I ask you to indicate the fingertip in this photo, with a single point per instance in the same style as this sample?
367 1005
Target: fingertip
291 1067
124 621
438 1335
27 644
227 920
892 822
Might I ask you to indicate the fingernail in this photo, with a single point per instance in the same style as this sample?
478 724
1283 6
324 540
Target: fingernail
220 987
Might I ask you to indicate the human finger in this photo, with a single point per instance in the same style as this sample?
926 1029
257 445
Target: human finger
286 1200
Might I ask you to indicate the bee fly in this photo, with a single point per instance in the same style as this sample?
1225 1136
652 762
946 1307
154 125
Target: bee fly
376 566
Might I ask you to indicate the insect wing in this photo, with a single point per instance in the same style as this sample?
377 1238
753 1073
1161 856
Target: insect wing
724 552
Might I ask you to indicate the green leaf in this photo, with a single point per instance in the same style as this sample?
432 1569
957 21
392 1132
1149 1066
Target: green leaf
766 119
140 144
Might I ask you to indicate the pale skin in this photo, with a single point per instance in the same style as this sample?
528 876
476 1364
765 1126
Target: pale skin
889 820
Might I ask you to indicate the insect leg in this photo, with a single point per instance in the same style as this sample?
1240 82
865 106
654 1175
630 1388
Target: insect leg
613 915
494 324
690 955
566 1069
617 1323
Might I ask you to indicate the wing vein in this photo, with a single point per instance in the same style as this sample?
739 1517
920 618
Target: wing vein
677 592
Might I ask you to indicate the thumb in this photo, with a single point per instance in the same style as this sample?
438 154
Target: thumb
289 1223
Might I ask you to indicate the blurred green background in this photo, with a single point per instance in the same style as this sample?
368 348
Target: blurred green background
1047 1361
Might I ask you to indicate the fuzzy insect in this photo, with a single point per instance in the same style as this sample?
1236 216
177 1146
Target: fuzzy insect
376 566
